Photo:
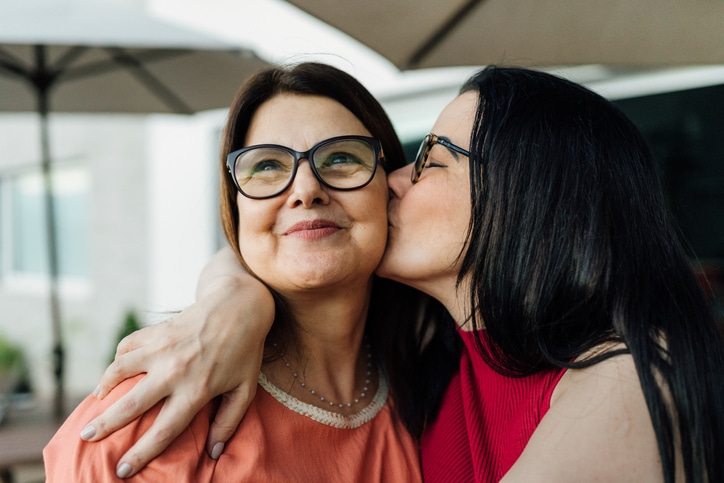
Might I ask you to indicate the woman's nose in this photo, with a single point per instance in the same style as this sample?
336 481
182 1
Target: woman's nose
306 189
399 181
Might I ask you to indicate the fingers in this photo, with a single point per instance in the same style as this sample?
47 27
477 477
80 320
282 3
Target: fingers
137 401
134 340
231 410
171 421
125 365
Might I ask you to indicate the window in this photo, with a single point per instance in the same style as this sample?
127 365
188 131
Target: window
24 248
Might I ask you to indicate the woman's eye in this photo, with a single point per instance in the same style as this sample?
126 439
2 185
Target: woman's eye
266 165
432 164
340 158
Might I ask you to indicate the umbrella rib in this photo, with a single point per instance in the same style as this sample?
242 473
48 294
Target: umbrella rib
12 64
42 77
151 82
91 69
135 67
439 35
70 56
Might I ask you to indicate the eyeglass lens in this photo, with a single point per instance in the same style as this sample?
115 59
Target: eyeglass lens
342 164
421 157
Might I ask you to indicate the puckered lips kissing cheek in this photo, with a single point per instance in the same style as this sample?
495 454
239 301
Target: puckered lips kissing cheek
313 229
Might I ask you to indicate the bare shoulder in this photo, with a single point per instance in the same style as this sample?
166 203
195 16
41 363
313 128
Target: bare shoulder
617 374
598 428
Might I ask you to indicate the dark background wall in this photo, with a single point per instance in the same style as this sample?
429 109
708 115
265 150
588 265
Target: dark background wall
686 132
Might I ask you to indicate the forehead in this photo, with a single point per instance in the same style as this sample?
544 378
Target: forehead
301 121
456 120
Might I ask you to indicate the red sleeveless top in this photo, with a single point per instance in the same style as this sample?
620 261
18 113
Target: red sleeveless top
485 421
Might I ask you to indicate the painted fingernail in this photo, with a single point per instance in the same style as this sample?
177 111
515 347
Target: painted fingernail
88 432
123 471
97 391
217 450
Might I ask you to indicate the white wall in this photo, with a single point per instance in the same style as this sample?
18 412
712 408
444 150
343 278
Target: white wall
183 205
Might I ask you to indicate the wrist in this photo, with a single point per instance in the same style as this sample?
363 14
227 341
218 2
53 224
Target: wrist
241 298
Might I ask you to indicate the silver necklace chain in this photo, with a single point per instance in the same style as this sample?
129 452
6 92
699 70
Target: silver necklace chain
322 399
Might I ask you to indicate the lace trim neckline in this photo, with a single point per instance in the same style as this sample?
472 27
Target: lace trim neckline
323 416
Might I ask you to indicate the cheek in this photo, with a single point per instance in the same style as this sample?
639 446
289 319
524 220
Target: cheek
256 220
421 215
373 213
433 224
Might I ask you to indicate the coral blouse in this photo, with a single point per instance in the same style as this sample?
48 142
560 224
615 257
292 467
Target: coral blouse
280 439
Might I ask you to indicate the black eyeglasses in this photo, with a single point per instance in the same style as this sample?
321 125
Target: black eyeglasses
427 144
343 163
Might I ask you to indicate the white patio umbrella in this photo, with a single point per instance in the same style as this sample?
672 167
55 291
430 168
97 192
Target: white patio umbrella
71 56
431 33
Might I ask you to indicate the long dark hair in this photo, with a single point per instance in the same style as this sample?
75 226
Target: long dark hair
391 324
571 246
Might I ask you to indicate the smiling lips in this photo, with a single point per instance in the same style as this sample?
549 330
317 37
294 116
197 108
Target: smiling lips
312 229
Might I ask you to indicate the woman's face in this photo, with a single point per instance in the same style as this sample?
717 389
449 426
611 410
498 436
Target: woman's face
311 236
428 220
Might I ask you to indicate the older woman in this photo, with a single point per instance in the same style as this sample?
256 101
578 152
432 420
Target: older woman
533 212
304 208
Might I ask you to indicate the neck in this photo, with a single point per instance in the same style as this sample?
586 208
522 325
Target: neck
459 305
327 353
455 298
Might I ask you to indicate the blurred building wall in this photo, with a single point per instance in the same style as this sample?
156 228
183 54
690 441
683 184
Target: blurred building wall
113 151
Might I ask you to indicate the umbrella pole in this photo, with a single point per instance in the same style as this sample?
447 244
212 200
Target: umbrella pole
58 352
43 86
